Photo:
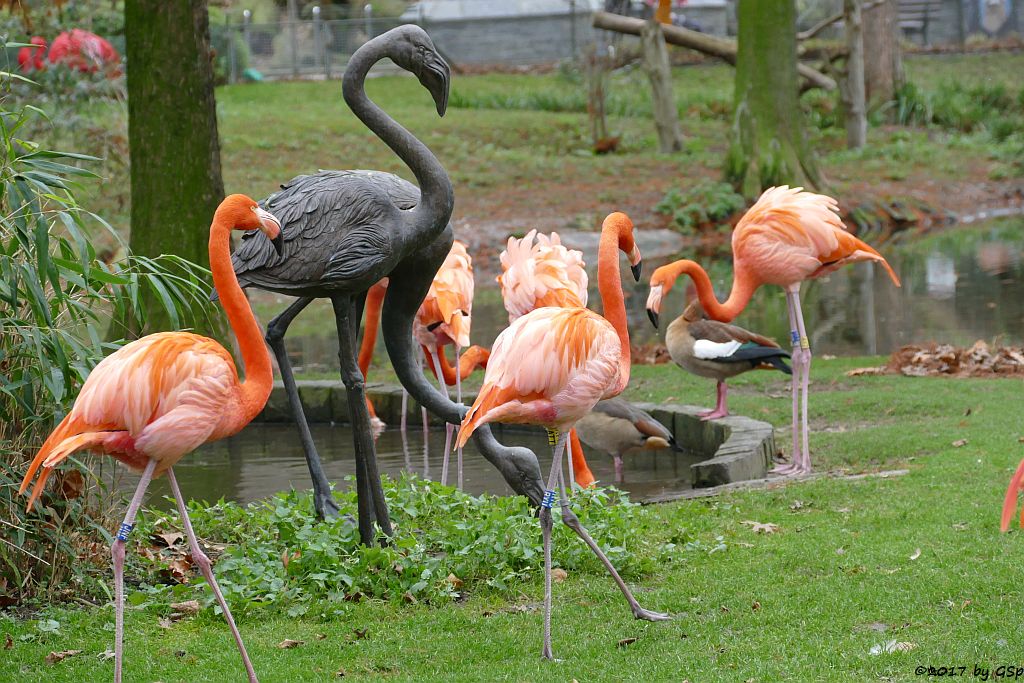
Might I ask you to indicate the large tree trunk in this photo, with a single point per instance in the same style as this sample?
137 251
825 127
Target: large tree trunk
852 88
663 103
176 181
768 145
883 58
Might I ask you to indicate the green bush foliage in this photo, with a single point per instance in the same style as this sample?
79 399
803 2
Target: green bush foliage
706 205
446 541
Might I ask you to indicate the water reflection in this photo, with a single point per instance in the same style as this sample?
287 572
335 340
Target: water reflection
266 458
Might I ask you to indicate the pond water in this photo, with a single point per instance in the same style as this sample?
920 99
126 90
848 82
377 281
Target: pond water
958 286
266 458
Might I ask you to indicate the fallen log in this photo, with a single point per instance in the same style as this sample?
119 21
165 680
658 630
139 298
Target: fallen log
723 48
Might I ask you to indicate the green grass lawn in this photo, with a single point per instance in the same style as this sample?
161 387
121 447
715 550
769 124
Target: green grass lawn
854 563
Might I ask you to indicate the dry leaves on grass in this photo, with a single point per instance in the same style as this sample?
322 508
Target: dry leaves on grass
288 644
917 554
980 360
960 443
55 657
187 607
761 527
558 575
454 581
626 641
8 641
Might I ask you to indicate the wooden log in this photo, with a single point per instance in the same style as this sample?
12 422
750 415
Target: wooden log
723 48
663 104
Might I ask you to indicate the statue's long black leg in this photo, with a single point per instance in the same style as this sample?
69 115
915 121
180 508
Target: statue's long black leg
372 506
322 499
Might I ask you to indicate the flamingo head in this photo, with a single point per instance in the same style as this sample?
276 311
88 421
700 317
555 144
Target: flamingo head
623 226
662 280
413 50
245 214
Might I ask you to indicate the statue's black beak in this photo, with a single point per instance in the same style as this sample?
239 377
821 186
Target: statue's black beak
436 77
653 315
636 270
278 243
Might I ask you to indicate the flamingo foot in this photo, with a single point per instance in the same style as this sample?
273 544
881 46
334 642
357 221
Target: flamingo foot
712 414
785 470
650 615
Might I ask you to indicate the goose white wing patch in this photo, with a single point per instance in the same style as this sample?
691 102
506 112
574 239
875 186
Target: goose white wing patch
705 349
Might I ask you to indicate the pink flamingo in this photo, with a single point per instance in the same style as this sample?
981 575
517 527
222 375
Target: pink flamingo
786 237
160 397
1010 502
549 368
445 317
546 274
78 49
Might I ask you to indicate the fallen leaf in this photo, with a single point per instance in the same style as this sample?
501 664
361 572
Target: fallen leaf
959 443
840 551
960 526
796 505
409 598
967 412
890 647
756 606
626 641
843 511
340 673
455 581
106 655
8 641
321 636
917 554
878 626
165 623
187 607
72 486
724 608
288 644
558 575
168 539
55 657
866 372
965 605
761 527
180 653
360 633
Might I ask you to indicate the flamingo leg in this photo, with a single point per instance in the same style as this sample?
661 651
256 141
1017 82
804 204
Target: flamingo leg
794 333
619 476
448 427
458 398
569 465
1010 500
720 410
405 410
570 519
368 485
323 501
557 441
201 559
117 555
804 465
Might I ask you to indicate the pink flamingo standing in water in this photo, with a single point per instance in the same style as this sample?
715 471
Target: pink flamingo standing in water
786 237
549 368
160 397
546 274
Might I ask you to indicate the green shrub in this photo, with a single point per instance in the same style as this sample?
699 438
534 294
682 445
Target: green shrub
707 205
278 554
56 301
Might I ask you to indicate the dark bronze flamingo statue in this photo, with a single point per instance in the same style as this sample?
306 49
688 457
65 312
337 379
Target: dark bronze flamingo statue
345 231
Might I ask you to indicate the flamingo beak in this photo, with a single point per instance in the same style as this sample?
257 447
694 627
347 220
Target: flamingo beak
635 263
653 315
654 304
271 227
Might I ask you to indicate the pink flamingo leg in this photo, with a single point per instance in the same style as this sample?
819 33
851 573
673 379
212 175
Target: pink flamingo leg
448 428
558 445
568 462
458 398
570 519
405 410
117 554
721 410
619 476
804 465
200 558
791 467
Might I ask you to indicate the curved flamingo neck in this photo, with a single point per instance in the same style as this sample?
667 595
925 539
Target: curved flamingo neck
609 285
437 199
259 375
739 297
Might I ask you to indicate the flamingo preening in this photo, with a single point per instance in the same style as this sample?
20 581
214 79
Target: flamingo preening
159 398
549 368
445 317
546 273
786 237
708 348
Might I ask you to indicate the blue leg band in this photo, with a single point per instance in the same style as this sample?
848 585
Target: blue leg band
122 534
549 500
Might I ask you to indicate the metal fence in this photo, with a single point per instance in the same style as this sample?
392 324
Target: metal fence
316 48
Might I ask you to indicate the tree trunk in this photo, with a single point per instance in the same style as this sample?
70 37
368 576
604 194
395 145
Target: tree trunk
176 181
663 104
883 58
768 145
853 83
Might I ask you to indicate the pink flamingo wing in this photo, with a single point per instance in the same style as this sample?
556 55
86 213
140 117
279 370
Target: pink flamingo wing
541 274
